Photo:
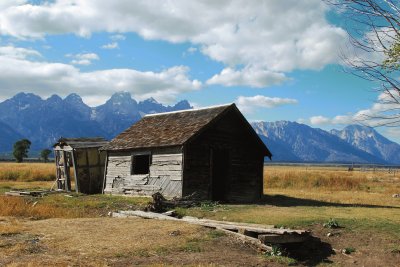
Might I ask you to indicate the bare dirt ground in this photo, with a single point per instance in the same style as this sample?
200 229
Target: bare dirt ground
126 242
118 242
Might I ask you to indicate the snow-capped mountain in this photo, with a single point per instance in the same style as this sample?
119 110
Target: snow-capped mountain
43 121
369 140
291 141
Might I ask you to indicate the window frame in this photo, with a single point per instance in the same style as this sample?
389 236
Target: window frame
133 155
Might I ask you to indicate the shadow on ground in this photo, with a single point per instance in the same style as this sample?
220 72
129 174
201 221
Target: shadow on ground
285 201
310 253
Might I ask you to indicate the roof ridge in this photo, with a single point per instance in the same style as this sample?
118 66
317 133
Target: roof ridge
187 110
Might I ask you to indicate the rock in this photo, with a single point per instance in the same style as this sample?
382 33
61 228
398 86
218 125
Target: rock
329 234
175 233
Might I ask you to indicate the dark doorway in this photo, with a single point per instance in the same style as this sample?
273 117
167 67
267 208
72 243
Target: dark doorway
219 174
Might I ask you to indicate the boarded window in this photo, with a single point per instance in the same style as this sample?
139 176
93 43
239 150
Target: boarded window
141 164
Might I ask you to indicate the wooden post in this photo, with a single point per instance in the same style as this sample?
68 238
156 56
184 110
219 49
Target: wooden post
67 182
58 173
75 171
105 173
88 170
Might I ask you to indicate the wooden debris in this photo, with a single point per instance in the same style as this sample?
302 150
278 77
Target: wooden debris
161 204
254 242
282 238
28 193
259 236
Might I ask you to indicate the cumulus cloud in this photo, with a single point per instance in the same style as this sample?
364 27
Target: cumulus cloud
112 45
83 59
18 52
18 73
318 120
266 37
252 77
249 104
384 112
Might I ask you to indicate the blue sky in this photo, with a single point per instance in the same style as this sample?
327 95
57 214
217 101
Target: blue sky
277 60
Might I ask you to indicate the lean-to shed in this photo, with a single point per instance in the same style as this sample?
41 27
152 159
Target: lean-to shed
83 155
211 151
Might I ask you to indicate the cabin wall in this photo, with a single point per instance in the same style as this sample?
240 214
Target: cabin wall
165 173
244 176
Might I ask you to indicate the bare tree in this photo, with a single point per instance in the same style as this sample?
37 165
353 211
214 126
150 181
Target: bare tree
373 27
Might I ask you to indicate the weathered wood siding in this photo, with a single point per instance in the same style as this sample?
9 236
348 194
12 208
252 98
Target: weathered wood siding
245 175
88 166
165 174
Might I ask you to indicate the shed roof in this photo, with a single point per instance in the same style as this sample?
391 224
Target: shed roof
171 128
86 142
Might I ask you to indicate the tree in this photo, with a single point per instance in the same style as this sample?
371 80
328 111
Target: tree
21 149
44 154
374 52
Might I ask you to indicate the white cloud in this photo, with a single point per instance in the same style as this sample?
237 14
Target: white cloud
83 59
19 74
384 112
252 77
112 45
259 36
18 52
318 120
249 104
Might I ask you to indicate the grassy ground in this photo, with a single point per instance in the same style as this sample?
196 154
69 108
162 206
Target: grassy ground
298 197
27 172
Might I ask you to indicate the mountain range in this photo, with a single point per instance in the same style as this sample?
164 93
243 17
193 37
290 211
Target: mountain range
295 142
43 121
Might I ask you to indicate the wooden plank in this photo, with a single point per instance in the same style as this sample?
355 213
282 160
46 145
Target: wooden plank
75 171
254 242
167 167
162 173
282 238
67 182
230 226
165 157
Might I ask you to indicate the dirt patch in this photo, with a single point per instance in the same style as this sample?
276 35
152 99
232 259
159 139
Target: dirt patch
121 242
364 248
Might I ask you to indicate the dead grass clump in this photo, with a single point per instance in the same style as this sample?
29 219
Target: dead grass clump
21 207
301 179
27 172
11 228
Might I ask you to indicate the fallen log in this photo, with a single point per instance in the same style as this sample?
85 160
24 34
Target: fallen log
251 233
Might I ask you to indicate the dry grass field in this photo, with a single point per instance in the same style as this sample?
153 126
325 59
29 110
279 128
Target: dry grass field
36 230
27 172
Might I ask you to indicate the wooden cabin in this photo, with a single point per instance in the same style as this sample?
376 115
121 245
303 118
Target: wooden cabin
211 151
83 155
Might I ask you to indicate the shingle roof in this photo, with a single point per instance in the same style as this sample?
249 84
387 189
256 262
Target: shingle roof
92 142
169 129
165 129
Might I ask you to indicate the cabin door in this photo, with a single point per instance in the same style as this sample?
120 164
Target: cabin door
219 174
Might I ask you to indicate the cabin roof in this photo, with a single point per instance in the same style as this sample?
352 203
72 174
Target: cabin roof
172 128
91 142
